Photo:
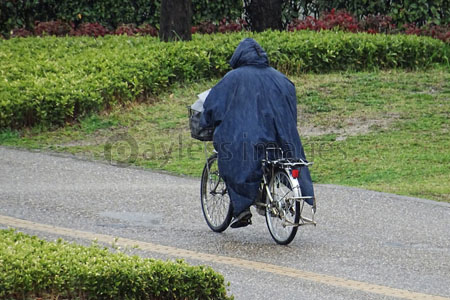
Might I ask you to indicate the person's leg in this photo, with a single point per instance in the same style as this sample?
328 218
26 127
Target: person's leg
243 179
240 202
241 207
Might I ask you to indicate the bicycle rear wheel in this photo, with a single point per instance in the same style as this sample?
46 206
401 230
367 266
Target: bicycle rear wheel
283 211
216 203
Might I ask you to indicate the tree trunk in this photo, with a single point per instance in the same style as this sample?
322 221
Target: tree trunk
264 14
175 21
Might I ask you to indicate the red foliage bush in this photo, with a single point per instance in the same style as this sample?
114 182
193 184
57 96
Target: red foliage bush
435 31
58 28
308 23
377 24
205 28
131 29
340 19
128 29
147 29
232 26
334 19
21 32
371 24
90 29
223 27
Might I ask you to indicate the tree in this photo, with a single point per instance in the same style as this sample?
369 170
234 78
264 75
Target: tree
264 14
175 21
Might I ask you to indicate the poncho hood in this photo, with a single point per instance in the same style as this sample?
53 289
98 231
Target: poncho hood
249 53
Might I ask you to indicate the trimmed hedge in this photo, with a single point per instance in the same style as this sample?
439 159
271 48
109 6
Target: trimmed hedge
30 268
52 80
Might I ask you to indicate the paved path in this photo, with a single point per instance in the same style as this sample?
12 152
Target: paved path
367 245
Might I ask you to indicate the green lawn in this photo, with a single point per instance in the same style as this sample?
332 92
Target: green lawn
385 131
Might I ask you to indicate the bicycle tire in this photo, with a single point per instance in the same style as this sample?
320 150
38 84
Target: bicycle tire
282 187
216 204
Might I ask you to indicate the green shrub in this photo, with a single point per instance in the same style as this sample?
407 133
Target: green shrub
30 267
334 51
52 81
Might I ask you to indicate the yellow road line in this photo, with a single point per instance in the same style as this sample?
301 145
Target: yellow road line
231 261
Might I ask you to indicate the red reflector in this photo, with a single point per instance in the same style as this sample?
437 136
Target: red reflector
295 173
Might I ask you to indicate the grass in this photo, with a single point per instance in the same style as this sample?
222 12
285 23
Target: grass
386 131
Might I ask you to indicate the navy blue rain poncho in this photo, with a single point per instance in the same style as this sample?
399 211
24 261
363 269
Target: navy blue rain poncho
252 105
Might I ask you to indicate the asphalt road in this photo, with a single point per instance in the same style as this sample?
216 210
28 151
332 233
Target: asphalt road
367 245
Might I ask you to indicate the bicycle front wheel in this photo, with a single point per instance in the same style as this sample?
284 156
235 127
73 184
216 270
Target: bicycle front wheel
282 211
216 203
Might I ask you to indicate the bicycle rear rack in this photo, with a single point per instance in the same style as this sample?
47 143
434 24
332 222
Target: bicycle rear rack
283 161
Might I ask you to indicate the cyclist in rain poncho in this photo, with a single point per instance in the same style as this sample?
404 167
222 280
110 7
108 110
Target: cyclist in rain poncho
252 105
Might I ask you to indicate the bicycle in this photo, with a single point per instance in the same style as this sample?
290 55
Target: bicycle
281 201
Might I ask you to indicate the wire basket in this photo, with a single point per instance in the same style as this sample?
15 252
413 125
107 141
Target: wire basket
197 132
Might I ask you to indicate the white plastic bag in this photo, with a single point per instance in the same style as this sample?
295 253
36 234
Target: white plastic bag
198 105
